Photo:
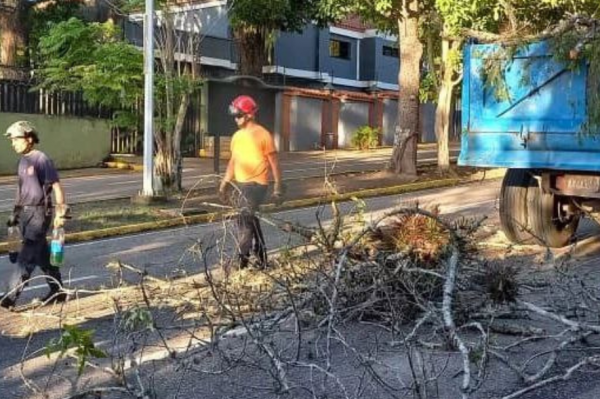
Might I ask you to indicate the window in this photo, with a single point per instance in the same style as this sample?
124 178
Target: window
390 51
339 49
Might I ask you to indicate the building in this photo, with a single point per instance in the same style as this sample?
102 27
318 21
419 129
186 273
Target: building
321 85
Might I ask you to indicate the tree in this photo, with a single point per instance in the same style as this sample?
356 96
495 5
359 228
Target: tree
402 17
12 34
178 80
255 24
40 16
177 77
90 57
23 23
485 20
452 14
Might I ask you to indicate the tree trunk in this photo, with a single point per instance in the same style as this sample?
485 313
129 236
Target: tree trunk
168 139
11 37
444 113
404 157
251 47
443 118
177 160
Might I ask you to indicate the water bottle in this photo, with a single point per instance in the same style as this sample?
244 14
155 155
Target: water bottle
14 243
57 247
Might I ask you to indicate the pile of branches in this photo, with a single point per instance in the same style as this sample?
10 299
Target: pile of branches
401 269
409 273
393 270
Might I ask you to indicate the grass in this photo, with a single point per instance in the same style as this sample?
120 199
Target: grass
105 214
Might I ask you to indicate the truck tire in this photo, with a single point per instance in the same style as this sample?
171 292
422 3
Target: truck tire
513 205
550 226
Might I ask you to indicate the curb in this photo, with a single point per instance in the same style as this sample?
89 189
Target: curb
292 204
124 165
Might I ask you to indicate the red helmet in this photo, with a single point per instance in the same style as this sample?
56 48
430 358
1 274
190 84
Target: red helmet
243 105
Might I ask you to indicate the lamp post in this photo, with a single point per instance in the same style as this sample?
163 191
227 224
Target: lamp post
148 175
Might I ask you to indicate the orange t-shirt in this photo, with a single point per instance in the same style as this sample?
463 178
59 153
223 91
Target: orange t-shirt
249 149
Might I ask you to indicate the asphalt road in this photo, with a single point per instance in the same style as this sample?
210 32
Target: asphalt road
170 253
199 173
167 253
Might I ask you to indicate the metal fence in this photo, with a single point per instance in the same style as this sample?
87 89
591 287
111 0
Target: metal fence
22 97
130 141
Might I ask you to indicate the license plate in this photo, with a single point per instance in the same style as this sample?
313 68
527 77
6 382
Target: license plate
587 183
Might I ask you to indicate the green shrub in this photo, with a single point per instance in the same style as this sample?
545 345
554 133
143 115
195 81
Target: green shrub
365 137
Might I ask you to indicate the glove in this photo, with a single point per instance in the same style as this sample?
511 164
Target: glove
13 220
278 192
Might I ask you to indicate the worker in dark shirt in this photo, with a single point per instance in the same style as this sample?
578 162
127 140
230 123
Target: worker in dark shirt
33 213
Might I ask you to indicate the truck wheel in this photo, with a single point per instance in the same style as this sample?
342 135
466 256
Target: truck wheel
513 205
550 224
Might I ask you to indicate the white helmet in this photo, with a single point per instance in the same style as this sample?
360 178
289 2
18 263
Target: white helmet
20 129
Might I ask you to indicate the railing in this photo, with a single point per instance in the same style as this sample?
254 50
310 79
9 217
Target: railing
130 141
18 96
22 97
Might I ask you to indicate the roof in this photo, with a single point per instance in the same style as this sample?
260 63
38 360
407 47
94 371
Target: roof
353 23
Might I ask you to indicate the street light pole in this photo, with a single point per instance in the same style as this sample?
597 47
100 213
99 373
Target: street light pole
148 175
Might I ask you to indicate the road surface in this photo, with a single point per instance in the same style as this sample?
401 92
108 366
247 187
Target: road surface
165 253
199 173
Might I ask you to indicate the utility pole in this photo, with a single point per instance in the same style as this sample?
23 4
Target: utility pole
148 175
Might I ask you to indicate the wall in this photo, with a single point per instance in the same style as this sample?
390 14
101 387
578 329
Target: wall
213 21
427 123
340 67
220 95
290 45
368 60
305 129
70 142
353 115
387 67
390 120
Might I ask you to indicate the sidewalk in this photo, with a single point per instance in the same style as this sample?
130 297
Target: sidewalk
207 163
105 219
69 173
111 218
124 164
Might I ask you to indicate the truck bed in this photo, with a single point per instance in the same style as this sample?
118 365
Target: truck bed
542 123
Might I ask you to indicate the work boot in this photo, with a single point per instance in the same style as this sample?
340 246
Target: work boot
261 256
7 303
243 261
261 261
55 296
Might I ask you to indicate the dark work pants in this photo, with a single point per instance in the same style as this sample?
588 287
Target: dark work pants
250 235
34 223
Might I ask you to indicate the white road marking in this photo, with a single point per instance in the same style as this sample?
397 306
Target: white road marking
73 280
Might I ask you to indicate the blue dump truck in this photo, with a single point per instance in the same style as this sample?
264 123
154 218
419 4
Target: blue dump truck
538 128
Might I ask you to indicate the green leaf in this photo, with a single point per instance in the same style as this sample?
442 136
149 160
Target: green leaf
73 337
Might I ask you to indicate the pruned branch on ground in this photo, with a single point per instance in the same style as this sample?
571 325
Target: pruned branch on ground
412 282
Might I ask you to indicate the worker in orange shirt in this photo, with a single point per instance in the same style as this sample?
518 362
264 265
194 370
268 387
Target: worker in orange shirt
253 156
